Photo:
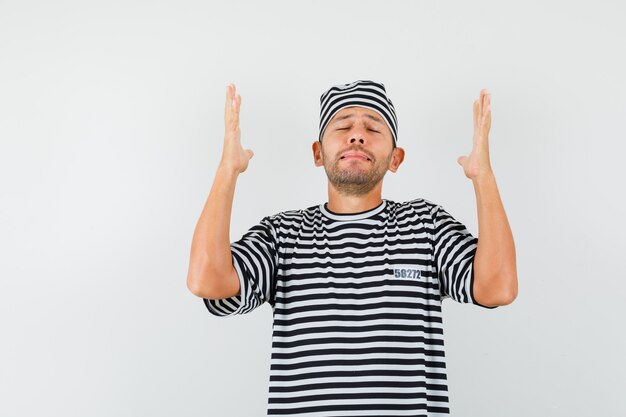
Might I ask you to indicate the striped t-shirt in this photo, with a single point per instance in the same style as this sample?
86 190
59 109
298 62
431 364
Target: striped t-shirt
356 299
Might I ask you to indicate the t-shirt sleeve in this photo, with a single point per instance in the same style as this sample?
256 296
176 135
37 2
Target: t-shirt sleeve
255 258
454 252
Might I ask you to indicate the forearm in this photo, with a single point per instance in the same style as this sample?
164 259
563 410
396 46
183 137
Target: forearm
495 271
210 247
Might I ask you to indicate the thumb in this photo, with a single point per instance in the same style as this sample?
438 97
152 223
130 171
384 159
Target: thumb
249 153
461 160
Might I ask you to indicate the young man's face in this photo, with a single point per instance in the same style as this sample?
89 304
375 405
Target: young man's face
362 131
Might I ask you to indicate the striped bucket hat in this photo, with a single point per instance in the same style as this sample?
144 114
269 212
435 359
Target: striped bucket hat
362 93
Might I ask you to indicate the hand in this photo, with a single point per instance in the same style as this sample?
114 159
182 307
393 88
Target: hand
478 163
234 157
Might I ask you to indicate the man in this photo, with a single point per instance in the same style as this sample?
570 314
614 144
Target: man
356 283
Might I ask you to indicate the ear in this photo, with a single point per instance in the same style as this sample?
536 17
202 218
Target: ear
317 153
396 159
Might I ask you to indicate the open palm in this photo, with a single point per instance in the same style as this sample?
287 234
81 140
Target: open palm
234 157
477 163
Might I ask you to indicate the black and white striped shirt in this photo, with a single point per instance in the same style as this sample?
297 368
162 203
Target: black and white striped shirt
356 301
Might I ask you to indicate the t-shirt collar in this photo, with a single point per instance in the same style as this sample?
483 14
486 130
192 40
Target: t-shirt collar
352 216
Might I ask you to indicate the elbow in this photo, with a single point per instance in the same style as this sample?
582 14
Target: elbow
194 286
206 287
512 288
200 278
499 291
197 286
496 281
509 294
507 299
213 283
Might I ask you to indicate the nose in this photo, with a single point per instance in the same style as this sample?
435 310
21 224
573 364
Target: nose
357 135
354 138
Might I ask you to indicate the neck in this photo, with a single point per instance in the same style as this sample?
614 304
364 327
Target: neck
353 203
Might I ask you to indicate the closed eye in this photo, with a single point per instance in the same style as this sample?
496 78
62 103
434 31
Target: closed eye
345 128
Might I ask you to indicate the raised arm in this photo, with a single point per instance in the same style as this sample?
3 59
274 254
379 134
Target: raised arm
211 273
495 270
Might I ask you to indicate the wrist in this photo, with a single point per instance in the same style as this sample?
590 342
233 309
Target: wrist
486 177
223 169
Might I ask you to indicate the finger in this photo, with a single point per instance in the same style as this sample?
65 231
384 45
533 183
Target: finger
230 92
228 104
485 100
487 116
488 104
475 113
236 106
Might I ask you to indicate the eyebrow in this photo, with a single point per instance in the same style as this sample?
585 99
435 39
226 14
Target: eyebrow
351 115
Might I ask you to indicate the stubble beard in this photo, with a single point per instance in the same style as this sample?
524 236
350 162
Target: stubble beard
355 178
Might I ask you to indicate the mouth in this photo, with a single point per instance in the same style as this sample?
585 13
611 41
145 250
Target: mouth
352 155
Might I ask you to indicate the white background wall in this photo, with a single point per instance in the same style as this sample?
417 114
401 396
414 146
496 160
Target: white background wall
111 127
